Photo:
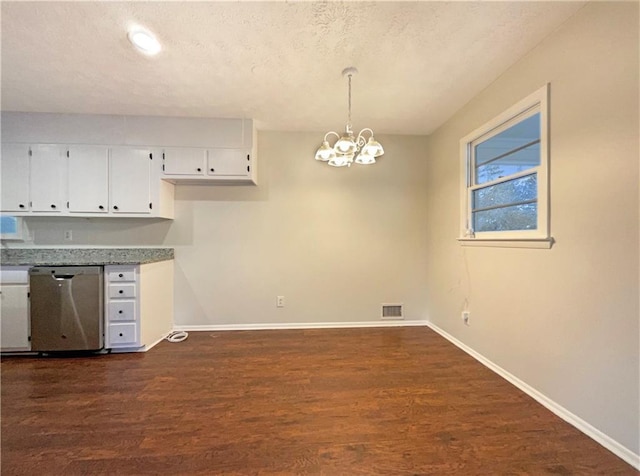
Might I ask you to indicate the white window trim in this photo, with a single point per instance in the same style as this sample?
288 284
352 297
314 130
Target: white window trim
539 238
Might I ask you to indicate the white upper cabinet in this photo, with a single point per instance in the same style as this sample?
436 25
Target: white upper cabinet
229 162
130 179
14 169
48 172
88 174
184 161
85 165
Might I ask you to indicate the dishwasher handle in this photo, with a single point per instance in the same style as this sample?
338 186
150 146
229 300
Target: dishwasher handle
62 277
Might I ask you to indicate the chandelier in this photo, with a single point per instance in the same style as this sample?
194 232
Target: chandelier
347 147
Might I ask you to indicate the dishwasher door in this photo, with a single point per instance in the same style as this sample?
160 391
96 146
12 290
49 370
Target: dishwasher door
66 308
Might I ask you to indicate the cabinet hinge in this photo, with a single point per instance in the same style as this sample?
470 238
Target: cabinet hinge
163 167
29 338
28 295
248 157
67 154
150 156
151 206
248 168
30 152
67 204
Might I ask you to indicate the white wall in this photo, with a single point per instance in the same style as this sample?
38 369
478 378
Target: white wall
337 243
565 320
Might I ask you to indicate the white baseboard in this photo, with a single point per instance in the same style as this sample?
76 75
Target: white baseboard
574 420
301 325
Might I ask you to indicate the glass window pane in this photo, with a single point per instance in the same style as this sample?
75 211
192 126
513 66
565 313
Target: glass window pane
508 192
511 151
518 217
519 161
8 225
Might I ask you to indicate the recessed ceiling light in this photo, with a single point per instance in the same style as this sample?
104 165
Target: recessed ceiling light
144 42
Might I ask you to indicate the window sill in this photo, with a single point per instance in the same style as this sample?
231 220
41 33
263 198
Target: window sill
539 243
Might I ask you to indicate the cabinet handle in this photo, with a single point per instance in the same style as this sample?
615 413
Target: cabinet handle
100 207
213 170
120 292
120 311
121 275
199 169
120 334
53 206
21 205
115 207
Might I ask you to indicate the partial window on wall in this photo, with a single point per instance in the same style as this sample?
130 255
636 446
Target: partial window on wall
504 183
11 228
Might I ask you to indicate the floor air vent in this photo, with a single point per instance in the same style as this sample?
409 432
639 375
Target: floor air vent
392 311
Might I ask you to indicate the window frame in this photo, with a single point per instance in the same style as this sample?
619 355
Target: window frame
18 235
536 102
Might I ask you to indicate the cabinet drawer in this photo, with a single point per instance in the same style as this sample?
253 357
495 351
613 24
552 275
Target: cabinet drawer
122 291
122 275
14 275
122 311
123 334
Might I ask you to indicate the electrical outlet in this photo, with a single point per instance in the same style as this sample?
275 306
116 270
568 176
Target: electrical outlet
280 301
465 317
68 235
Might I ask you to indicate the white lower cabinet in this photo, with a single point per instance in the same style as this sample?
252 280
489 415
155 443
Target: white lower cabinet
122 329
138 305
14 309
124 334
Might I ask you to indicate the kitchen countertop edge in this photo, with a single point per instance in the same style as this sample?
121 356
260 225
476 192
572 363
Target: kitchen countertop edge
83 256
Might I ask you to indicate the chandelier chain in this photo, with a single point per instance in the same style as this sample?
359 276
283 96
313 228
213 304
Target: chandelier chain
349 101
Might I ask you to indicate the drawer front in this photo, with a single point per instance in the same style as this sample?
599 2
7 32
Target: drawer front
14 275
122 275
123 335
122 291
122 311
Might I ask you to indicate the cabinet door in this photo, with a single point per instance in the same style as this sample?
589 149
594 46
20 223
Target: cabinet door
88 175
228 162
14 323
48 178
183 161
14 169
130 180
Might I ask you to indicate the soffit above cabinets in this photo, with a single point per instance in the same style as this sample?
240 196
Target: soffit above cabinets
126 130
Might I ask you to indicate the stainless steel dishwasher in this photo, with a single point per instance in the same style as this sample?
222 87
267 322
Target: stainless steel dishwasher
66 308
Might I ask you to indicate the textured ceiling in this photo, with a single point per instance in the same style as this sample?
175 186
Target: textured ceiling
278 63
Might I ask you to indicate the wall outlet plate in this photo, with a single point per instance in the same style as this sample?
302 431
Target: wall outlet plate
465 317
280 301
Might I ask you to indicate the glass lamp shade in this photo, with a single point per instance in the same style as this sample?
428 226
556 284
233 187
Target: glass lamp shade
346 145
325 152
373 148
364 158
341 160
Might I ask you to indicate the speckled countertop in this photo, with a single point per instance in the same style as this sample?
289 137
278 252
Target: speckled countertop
82 256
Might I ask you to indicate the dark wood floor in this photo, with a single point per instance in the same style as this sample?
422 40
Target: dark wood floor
395 401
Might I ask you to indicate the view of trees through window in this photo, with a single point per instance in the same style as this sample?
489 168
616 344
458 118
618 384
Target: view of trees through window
508 201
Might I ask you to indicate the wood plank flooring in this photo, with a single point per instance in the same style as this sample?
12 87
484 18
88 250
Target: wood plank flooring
388 401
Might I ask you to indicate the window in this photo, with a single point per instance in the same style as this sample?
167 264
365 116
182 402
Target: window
504 182
11 228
